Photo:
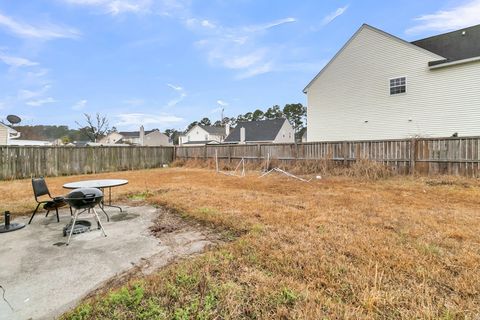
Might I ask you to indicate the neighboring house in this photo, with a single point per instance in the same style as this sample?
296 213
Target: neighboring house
19 142
7 134
304 136
264 131
379 86
138 138
200 135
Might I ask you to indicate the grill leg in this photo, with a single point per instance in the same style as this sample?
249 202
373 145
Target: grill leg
46 215
98 221
58 218
75 215
33 214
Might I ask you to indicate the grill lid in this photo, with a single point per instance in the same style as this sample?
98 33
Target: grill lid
84 198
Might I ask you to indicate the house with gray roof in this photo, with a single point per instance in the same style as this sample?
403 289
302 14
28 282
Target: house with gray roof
379 86
200 135
137 138
262 131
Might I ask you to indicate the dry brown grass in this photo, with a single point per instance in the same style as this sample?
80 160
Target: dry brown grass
362 169
333 248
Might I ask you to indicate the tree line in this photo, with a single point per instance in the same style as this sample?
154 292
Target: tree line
94 127
295 113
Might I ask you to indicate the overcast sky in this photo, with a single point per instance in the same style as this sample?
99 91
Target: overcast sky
165 63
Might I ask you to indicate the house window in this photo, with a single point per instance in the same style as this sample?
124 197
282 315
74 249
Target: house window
398 85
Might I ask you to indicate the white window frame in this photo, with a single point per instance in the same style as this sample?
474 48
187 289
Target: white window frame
390 86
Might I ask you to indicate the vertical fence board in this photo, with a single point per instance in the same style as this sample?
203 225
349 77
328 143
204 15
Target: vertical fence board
429 156
18 162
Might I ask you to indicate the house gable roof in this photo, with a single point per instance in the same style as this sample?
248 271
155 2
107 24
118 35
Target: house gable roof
264 130
10 129
366 26
135 134
455 45
218 131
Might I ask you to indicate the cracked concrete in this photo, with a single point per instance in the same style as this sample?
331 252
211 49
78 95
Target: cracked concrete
44 278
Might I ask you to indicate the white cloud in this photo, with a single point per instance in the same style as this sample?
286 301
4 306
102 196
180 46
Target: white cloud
37 74
239 48
115 7
222 103
25 94
246 61
80 105
194 23
333 15
40 102
257 70
46 31
175 101
176 88
269 25
16 61
135 120
208 24
466 14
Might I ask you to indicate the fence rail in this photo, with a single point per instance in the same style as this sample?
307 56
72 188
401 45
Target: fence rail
429 156
18 162
455 156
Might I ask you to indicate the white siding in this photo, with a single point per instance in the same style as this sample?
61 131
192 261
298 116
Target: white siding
3 135
111 138
286 134
199 134
354 88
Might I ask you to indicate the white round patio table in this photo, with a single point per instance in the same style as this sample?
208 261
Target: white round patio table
101 184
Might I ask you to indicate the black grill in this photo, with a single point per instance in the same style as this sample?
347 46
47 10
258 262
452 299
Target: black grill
84 198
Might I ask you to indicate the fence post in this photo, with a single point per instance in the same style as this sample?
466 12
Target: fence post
174 154
259 152
344 153
229 153
413 155
205 152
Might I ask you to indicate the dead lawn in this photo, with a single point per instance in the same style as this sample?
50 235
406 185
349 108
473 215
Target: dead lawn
332 248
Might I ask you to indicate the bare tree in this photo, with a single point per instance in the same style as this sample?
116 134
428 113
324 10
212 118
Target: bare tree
95 127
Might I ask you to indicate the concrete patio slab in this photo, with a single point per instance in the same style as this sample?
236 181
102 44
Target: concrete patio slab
44 278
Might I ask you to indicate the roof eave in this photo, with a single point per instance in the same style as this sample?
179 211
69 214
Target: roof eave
364 26
453 63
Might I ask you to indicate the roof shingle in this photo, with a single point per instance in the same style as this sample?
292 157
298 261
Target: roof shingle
264 130
456 45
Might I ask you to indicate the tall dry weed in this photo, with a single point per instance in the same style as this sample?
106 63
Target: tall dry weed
362 169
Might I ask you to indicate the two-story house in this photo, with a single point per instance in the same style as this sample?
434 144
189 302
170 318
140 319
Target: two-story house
200 135
137 138
379 86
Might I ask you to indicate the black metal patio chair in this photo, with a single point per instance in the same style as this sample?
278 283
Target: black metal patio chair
51 203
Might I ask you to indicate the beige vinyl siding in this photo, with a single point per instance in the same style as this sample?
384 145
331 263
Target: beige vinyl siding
286 134
156 138
350 99
3 135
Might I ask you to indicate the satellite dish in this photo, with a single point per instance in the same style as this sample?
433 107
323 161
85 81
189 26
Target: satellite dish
13 119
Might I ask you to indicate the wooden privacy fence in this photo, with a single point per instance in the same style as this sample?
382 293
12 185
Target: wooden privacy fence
430 156
18 162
